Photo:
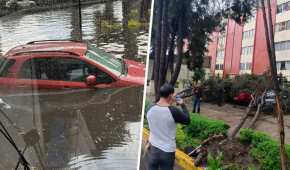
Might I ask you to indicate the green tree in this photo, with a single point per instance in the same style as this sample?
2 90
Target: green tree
194 20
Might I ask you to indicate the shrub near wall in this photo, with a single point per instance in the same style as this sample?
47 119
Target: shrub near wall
264 149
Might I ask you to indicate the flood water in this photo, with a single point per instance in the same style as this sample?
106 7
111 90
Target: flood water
75 128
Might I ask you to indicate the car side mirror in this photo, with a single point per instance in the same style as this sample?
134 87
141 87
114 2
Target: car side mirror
91 80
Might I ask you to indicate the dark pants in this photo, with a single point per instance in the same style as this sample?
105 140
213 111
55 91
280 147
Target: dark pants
196 105
160 160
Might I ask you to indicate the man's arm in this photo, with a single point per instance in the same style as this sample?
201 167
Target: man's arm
180 116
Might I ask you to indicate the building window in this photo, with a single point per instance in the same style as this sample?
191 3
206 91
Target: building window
283 7
245 66
283 45
282 26
247 50
219 66
248 34
283 65
220 54
221 42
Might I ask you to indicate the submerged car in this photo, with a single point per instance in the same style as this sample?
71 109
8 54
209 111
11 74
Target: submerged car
65 64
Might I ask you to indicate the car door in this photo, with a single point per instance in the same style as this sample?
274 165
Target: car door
74 72
6 75
38 73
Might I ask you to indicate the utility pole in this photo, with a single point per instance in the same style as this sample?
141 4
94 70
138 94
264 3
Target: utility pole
272 59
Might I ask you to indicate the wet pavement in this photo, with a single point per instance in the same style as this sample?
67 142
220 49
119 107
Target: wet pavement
75 128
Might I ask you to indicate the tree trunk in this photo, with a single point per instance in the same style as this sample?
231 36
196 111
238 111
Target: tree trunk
142 10
170 57
164 39
157 48
272 58
257 114
180 36
242 121
145 5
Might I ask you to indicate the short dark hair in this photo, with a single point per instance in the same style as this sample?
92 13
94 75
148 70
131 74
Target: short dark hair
166 90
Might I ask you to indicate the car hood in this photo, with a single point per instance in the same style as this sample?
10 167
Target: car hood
135 69
136 72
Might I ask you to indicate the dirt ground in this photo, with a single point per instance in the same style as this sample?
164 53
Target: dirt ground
231 114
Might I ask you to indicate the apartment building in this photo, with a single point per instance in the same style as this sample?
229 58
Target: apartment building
242 49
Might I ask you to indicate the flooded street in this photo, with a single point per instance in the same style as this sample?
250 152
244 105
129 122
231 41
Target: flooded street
75 128
102 24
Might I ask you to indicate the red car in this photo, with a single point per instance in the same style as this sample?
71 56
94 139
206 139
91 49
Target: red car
65 64
243 97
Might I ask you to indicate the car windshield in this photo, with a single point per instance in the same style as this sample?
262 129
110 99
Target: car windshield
110 62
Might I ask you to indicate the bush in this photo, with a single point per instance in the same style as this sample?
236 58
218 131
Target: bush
249 83
201 127
228 84
211 91
233 86
147 106
134 24
215 163
265 149
198 74
183 141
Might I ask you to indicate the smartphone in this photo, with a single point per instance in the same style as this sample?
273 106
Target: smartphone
178 98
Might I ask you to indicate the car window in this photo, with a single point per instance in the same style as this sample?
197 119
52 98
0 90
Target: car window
40 68
113 64
72 69
77 70
5 65
63 69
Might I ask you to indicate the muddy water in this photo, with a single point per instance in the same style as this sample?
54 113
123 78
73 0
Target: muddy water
71 128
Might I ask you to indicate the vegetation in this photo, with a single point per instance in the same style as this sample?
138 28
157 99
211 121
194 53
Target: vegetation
199 129
215 162
177 20
202 127
106 25
198 74
243 83
134 24
211 88
183 140
264 148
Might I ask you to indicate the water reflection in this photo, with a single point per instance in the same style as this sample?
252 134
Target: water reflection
69 129
79 129
102 24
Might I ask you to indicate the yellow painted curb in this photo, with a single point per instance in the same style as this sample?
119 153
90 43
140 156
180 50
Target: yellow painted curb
182 159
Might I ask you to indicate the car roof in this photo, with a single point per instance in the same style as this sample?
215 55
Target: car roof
66 46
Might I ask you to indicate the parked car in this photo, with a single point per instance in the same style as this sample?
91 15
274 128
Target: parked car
269 101
243 98
65 64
